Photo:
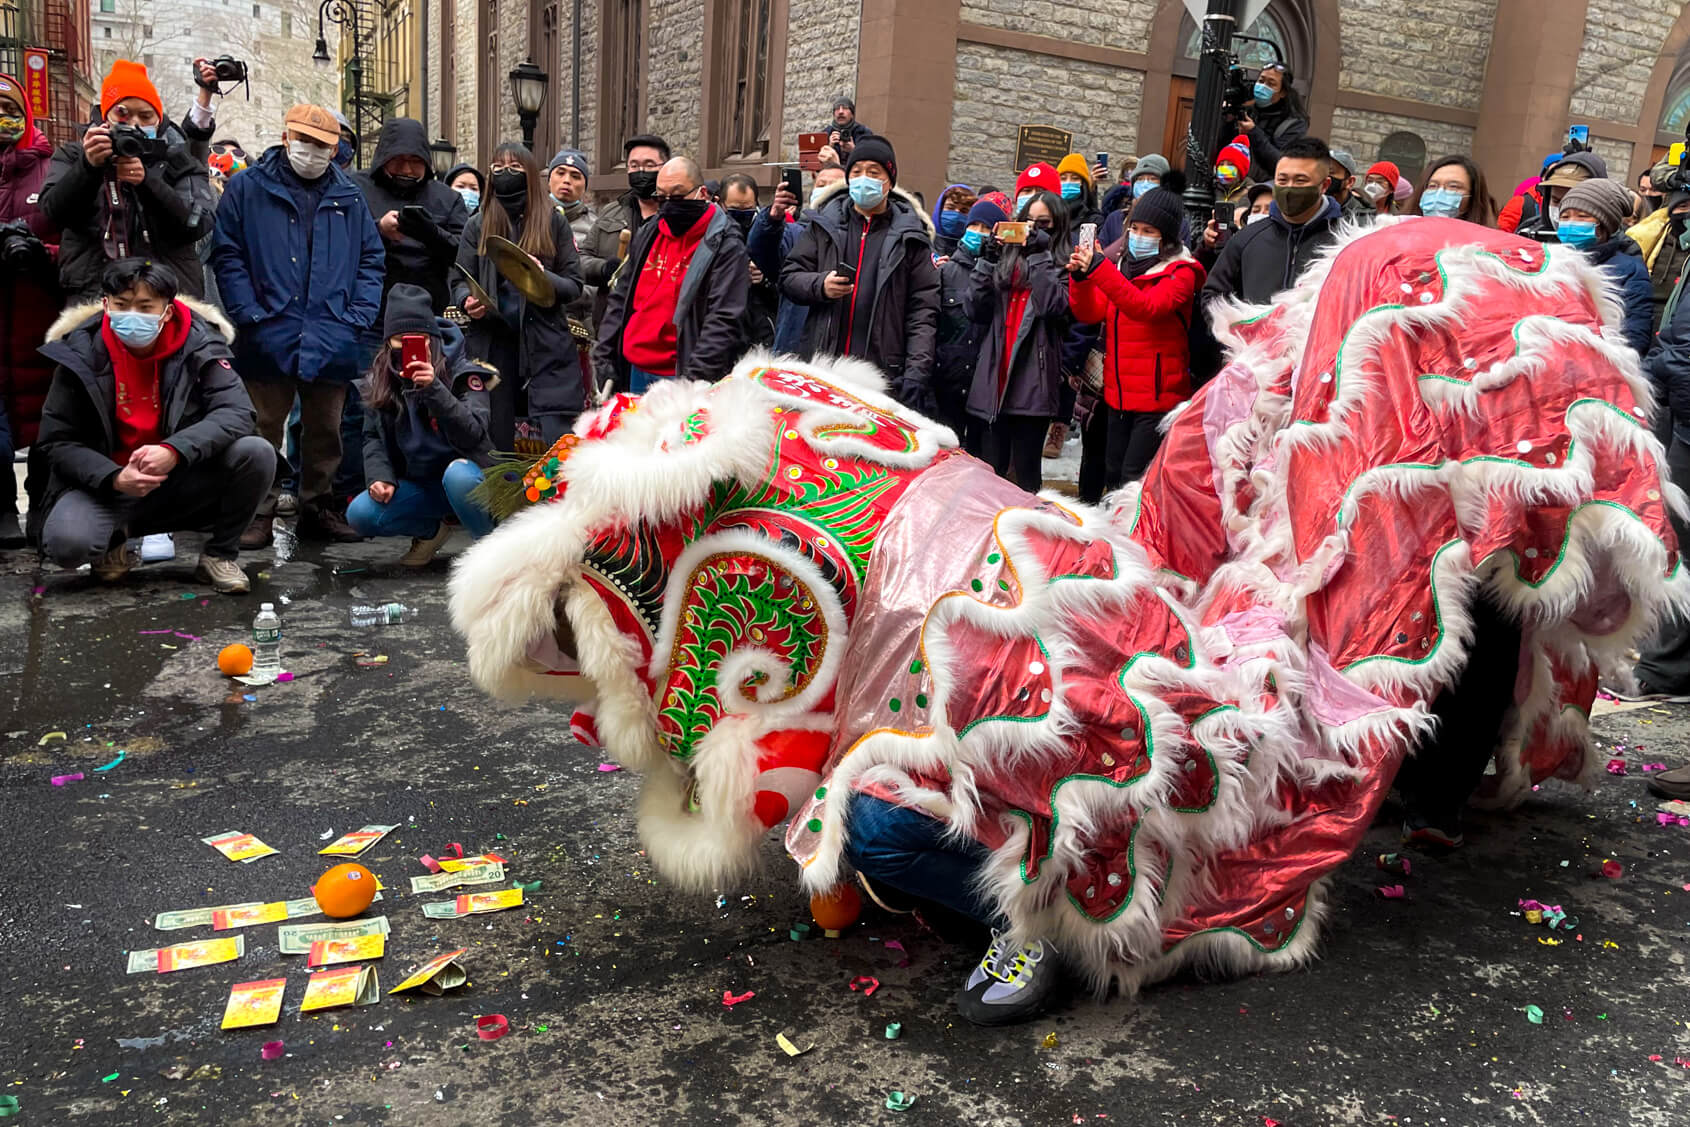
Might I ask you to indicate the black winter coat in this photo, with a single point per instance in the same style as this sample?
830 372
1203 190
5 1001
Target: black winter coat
1034 386
423 255
170 212
1267 257
904 307
709 314
532 348
1276 127
959 338
457 405
204 404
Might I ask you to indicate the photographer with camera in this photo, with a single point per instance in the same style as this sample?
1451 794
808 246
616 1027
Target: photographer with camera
1272 119
1266 257
1660 236
130 187
29 299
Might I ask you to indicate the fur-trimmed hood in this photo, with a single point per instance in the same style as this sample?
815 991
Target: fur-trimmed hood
75 316
898 196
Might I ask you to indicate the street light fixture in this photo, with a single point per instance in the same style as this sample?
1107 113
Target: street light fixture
444 155
345 13
528 88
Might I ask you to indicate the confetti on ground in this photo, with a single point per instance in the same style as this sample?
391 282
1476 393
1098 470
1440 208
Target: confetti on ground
868 984
608 767
273 1050
61 780
1612 870
113 763
791 1049
1393 892
491 1027
1616 766
49 738
898 1101
1050 1041
894 1030
730 999
1534 1014
9 1106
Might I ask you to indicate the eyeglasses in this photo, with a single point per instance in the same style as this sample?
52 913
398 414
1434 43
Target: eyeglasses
684 194
644 165
1043 225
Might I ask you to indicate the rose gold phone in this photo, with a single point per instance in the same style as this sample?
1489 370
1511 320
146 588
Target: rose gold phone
1011 231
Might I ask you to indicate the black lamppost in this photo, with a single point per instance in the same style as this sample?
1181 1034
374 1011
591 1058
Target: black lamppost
1202 143
345 13
443 155
528 88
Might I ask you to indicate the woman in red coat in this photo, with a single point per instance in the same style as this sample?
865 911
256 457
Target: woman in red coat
1143 289
29 296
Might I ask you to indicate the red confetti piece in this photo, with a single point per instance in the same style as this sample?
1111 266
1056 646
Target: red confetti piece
1616 766
866 983
1612 870
454 850
491 1027
608 767
272 1050
1393 892
730 999
61 780
429 863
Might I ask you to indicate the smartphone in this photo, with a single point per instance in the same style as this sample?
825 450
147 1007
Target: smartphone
413 347
793 180
1087 236
1223 215
1012 232
1102 160
1579 134
846 271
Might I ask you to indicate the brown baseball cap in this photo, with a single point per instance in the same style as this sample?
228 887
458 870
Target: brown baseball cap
313 122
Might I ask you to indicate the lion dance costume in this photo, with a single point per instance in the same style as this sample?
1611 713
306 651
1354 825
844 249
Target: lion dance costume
1168 721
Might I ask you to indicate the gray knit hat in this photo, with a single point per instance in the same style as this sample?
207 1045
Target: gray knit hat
1607 200
1151 164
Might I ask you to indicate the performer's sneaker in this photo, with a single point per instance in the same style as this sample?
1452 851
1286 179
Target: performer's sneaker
1418 832
1010 984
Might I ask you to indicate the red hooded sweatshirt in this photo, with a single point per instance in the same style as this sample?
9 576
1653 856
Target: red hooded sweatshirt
649 337
140 399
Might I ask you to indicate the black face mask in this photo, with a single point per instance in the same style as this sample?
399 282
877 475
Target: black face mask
396 361
644 184
403 185
511 186
1653 203
1677 222
744 216
682 215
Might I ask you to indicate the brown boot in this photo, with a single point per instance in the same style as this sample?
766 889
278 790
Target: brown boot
1055 439
257 534
320 522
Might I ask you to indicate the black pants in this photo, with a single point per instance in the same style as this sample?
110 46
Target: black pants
1015 448
1437 780
1133 440
1665 667
218 496
1094 446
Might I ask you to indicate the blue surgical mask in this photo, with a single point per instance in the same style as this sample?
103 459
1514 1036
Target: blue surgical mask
1021 202
1142 186
1143 246
1072 190
1263 93
866 191
136 330
151 131
951 223
1578 233
972 241
472 198
1445 202
343 154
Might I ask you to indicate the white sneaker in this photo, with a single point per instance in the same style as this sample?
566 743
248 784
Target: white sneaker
225 575
158 546
422 551
1009 984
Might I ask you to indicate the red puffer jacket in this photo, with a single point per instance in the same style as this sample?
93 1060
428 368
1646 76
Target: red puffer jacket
29 303
1146 321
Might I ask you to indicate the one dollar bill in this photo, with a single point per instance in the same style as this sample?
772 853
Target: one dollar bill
296 939
490 873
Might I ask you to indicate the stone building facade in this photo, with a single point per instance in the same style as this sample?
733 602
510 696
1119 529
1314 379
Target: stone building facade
733 82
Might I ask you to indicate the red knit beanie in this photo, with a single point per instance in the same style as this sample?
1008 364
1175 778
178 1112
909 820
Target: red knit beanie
128 80
1040 177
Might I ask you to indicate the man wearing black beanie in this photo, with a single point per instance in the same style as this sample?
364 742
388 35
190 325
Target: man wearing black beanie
865 268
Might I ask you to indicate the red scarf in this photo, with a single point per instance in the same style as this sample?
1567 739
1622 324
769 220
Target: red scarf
139 400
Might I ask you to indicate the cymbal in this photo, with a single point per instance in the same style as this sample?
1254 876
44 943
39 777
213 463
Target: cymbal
476 291
521 271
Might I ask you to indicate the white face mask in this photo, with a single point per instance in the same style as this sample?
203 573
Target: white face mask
308 160
1255 217
1374 192
1555 213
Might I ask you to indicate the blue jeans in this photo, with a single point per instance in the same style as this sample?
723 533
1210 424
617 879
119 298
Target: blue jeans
641 381
909 851
418 506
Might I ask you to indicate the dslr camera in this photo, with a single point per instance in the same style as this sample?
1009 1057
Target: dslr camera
229 70
20 251
129 141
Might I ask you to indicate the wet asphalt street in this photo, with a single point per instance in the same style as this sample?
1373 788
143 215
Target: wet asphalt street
613 984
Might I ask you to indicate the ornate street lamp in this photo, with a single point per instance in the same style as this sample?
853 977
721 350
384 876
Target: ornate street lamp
528 88
345 13
443 154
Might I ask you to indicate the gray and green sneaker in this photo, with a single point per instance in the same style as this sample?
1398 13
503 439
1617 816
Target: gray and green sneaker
1010 984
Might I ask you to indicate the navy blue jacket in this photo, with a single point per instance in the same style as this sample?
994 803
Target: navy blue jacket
768 244
297 313
1622 261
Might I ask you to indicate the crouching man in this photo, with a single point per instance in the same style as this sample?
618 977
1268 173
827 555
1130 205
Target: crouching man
146 429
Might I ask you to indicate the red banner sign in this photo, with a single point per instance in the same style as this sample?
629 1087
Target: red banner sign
35 82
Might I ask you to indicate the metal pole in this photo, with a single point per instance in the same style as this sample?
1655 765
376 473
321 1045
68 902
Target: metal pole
1202 142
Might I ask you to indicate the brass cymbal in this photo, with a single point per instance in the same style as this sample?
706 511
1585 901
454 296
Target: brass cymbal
475 289
521 271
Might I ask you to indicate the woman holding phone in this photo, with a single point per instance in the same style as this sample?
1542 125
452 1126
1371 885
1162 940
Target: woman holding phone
1019 292
1142 289
425 431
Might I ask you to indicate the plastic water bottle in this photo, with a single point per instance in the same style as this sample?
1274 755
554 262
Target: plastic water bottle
266 644
388 614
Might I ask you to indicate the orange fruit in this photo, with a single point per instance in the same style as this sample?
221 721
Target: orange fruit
838 908
234 660
344 891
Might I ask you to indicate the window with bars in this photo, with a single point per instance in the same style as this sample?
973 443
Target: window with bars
621 77
742 84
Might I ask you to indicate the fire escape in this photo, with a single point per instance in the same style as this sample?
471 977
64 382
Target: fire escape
53 26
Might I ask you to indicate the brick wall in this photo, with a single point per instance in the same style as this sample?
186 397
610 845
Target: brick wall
1621 41
674 58
1116 23
467 47
1361 133
1618 156
431 52
821 64
998 89
1438 56
513 48
563 66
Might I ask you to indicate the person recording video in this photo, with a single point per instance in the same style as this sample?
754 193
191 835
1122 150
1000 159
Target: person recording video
130 188
1272 119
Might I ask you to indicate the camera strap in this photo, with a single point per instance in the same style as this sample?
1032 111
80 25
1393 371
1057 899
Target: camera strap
120 207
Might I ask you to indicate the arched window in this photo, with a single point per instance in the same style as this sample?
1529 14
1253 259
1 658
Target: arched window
1675 110
1289 24
1407 151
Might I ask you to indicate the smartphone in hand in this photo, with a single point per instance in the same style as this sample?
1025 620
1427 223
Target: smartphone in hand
413 348
1011 232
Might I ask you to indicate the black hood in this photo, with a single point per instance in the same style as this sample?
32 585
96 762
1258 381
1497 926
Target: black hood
480 180
403 137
